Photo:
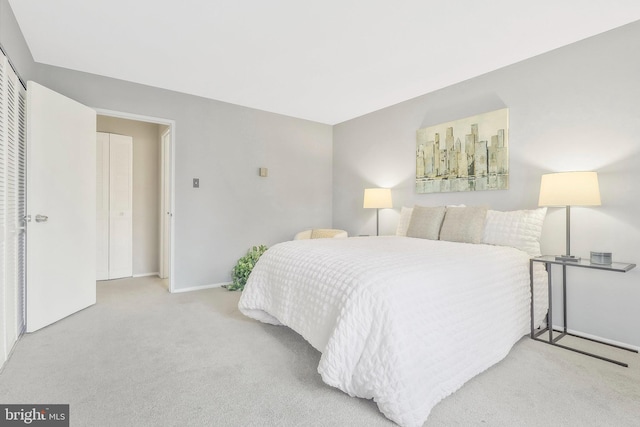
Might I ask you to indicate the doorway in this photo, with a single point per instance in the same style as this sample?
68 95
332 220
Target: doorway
153 190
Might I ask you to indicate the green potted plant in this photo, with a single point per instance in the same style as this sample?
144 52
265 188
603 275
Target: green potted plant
243 267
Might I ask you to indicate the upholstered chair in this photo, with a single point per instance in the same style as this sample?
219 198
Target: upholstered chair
320 233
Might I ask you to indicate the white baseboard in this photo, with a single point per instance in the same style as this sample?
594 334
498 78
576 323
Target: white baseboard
155 273
201 287
595 337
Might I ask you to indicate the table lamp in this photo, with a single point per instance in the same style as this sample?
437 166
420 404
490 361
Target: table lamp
377 198
569 189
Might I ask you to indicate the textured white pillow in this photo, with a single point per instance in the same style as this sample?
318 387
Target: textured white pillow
519 229
462 224
405 218
425 222
403 222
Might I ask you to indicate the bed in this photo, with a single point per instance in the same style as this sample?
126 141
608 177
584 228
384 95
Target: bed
400 320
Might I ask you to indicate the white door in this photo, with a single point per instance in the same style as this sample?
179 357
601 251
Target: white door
120 206
165 206
102 206
114 206
61 201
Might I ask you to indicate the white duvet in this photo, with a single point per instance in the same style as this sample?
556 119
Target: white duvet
403 321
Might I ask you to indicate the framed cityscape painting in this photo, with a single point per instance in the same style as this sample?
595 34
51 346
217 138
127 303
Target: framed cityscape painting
470 154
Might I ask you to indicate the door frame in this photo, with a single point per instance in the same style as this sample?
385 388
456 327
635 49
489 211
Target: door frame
166 211
171 172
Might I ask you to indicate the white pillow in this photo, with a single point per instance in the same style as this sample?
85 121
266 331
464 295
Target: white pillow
519 229
403 222
426 222
405 219
463 224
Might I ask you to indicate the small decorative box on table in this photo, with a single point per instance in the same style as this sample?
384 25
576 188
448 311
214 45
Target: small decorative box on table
548 261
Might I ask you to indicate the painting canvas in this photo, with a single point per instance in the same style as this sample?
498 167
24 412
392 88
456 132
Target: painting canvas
470 154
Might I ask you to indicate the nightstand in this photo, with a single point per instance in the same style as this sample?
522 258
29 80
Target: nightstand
549 261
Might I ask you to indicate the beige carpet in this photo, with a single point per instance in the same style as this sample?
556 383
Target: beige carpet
144 357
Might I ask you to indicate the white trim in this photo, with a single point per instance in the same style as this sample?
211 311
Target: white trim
172 126
132 116
595 337
167 135
146 274
202 287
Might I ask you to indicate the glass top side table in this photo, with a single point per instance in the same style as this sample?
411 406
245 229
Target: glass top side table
548 261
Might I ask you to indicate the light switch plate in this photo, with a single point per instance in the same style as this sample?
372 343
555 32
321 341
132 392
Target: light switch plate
196 182
263 172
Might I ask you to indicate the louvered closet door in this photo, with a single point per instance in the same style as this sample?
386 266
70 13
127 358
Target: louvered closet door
3 205
12 205
11 212
21 235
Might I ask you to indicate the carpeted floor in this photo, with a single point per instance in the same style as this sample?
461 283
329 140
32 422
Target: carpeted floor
144 357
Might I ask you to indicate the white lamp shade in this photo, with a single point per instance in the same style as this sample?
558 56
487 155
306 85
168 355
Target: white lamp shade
377 198
569 189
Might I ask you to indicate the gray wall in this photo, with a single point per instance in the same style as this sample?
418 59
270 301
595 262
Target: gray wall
223 145
575 108
13 42
146 189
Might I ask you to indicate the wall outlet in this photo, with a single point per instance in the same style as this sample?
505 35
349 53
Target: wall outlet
196 182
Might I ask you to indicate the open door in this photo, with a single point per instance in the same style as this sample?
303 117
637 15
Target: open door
61 206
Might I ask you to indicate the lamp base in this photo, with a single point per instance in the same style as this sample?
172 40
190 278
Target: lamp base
567 258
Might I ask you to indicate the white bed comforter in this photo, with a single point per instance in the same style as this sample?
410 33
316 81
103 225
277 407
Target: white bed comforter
403 321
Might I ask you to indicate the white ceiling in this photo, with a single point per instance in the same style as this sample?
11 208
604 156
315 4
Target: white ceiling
327 61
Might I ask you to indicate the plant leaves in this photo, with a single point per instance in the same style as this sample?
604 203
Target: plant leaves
241 271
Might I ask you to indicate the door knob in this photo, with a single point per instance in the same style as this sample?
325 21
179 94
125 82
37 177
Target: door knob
41 218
